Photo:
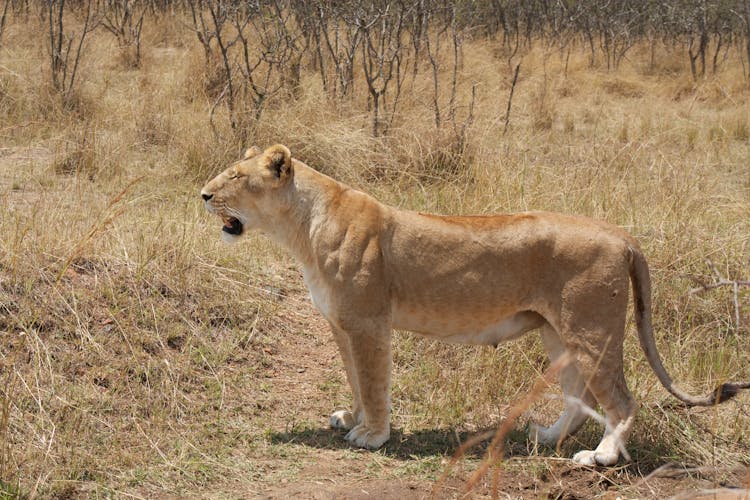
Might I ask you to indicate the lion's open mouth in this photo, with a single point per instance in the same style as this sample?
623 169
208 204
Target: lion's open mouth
232 226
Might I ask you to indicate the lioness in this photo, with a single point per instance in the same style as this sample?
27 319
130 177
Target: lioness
371 268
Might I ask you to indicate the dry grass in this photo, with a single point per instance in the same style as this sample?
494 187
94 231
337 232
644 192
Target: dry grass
139 356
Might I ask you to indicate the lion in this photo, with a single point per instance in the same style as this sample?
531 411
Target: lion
371 268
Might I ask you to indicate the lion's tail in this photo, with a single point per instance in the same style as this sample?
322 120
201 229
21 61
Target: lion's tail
641 279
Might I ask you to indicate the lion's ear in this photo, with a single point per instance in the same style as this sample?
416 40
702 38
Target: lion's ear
278 160
251 152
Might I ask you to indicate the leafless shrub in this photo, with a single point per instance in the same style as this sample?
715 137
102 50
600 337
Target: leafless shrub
271 50
211 22
257 48
382 57
433 41
742 12
338 25
65 45
163 6
124 19
202 25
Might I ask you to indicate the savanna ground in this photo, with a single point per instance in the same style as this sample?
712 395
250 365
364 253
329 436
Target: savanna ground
141 357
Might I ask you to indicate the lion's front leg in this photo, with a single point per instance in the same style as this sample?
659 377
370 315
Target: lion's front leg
371 360
345 419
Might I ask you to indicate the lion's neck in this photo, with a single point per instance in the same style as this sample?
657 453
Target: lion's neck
308 200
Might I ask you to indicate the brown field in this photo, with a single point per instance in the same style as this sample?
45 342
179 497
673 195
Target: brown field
141 357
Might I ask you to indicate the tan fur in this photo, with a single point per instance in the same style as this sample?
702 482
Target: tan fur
371 268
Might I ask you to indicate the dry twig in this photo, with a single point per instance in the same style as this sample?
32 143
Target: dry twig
510 98
720 281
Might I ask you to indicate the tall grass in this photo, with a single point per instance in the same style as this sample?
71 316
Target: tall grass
140 355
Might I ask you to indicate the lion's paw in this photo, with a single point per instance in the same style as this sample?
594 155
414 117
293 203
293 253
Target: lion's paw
363 437
342 419
595 457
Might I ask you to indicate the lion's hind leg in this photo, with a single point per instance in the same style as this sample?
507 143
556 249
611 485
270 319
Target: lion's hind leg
619 413
595 340
577 397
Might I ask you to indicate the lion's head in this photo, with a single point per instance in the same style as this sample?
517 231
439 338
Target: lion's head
243 195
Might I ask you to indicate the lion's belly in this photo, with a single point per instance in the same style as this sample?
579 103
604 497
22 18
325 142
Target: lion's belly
465 329
460 324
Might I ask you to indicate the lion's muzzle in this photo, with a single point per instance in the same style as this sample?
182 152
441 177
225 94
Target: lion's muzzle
232 226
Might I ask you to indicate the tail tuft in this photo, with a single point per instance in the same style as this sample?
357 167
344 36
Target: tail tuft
727 391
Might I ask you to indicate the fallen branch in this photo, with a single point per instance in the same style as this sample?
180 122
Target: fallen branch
720 281
710 286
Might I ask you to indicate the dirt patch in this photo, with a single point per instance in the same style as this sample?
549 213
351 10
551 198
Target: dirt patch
328 490
532 479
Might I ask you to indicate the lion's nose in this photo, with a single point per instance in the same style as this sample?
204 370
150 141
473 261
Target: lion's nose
206 196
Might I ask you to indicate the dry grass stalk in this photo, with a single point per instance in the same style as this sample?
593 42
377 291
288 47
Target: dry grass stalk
494 454
110 213
5 408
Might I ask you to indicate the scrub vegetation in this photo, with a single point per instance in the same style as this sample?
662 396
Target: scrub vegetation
141 357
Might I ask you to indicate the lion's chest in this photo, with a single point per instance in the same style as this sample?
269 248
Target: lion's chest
320 294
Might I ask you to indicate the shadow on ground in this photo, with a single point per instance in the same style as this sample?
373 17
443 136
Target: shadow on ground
645 457
423 443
